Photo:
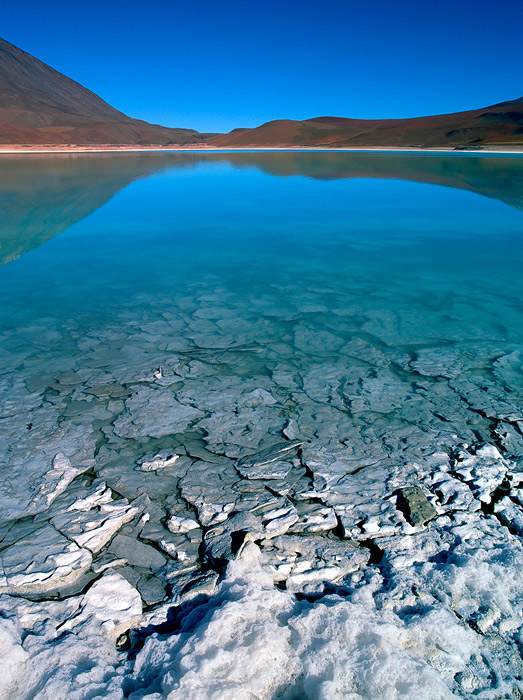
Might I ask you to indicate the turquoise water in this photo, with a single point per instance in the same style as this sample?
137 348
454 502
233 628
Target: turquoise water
288 258
285 257
385 243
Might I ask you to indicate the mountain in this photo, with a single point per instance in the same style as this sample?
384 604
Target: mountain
498 125
38 105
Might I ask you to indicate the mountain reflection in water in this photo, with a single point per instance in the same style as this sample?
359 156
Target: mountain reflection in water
43 195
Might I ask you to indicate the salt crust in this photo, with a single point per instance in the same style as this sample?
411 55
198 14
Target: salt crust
172 440
252 640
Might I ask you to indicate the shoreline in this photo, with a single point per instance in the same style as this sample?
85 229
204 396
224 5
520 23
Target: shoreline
17 150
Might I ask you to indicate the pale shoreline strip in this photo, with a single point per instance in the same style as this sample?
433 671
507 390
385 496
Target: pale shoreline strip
13 150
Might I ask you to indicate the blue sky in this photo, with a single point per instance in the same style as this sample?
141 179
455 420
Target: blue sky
214 66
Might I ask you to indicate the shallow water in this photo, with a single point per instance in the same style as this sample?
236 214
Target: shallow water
375 301
446 262
285 257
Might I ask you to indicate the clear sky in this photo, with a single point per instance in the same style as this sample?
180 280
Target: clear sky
214 66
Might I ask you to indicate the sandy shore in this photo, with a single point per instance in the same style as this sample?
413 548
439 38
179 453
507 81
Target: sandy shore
16 149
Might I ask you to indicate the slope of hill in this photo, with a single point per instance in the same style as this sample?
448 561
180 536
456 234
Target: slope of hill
497 125
38 105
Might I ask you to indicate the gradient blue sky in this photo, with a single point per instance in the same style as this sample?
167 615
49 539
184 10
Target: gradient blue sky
219 65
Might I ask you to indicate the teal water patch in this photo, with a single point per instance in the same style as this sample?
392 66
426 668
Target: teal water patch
290 255
245 226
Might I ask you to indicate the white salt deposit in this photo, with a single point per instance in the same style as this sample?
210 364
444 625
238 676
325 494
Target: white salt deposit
252 640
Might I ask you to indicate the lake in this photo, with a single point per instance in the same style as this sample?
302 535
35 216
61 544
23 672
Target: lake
316 352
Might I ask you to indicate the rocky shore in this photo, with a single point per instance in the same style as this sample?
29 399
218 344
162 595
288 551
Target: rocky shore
268 501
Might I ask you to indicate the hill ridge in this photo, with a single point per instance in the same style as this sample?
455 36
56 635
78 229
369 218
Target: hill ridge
39 106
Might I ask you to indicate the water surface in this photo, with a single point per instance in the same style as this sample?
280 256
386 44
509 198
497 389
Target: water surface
215 305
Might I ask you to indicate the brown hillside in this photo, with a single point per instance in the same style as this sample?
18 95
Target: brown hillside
38 105
498 124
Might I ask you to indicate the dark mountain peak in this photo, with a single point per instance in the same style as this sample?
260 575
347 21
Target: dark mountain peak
510 103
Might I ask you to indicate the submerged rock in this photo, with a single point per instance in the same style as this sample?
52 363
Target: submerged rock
42 562
160 460
40 466
94 529
271 463
272 470
137 553
373 462
413 502
153 412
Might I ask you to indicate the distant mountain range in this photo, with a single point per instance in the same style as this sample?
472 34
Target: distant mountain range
498 125
39 106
